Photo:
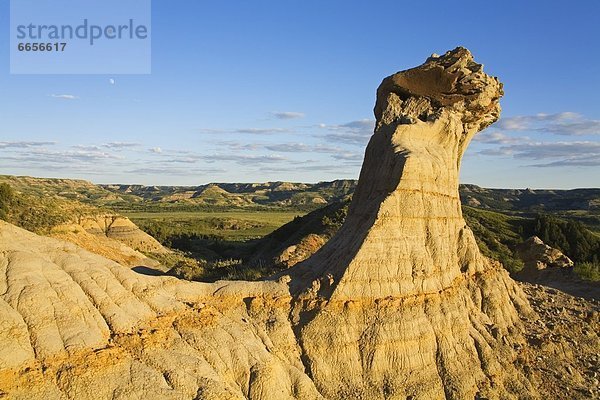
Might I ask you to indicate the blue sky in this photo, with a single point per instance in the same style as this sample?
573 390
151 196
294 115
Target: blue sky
284 90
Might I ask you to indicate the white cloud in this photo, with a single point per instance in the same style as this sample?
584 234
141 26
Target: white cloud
348 156
45 156
156 150
343 169
289 147
174 171
574 128
302 148
236 146
24 144
251 131
564 123
545 150
261 131
245 159
91 147
64 96
581 153
120 145
495 137
287 114
581 161
285 147
354 132
117 146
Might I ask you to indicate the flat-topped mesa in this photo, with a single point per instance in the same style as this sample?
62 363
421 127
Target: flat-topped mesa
405 233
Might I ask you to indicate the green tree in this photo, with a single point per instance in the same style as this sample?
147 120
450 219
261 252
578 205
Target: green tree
570 237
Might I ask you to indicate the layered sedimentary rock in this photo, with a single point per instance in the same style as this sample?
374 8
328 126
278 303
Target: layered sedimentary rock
112 236
399 304
102 245
121 229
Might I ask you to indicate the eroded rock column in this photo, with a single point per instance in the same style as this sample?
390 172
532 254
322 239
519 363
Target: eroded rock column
400 302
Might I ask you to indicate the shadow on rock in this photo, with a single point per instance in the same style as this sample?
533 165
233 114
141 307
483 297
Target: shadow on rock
141 269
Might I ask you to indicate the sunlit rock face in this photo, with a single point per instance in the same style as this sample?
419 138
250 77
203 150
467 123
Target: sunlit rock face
399 304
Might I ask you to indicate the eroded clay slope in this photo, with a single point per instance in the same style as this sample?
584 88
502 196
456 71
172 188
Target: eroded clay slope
123 230
399 304
78 326
112 236
102 245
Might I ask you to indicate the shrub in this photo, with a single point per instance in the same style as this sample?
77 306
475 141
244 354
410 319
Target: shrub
188 269
570 237
588 271
6 199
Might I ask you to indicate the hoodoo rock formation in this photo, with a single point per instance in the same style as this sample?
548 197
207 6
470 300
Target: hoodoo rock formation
400 304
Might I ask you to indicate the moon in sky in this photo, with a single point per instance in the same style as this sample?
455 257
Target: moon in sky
111 81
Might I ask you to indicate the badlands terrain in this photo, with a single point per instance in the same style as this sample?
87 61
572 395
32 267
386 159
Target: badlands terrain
386 293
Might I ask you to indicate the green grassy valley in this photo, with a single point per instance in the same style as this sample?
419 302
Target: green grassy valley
235 225
246 231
